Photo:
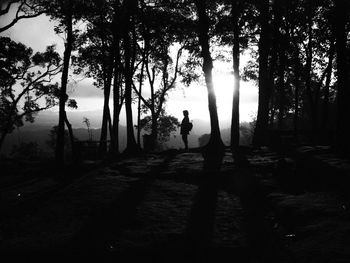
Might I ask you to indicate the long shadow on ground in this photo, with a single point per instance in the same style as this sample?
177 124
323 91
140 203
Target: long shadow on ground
200 228
264 244
99 234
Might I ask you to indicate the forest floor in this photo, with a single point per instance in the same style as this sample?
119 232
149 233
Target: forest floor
163 207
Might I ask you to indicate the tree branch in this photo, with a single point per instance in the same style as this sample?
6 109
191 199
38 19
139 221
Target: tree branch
7 8
179 53
142 98
47 73
18 17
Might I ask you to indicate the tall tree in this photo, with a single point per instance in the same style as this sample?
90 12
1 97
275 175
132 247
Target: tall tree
235 5
162 63
118 92
64 12
141 77
99 57
235 26
325 104
25 80
343 95
264 88
107 64
309 50
129 9
215 147
118 95
62 119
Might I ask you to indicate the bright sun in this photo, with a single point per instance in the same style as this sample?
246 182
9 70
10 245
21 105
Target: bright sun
223 85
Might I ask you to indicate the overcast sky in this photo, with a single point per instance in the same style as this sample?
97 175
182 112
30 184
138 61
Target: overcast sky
39 33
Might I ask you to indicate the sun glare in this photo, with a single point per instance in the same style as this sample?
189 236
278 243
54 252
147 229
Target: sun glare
223 85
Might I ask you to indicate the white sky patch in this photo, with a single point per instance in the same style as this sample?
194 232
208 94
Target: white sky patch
37 33
80 88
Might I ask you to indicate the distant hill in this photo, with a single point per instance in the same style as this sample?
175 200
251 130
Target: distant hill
40 135
38 132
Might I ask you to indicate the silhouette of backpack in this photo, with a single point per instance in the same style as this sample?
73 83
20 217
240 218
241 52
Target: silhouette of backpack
190 126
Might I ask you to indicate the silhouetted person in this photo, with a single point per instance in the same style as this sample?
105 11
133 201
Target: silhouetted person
185 128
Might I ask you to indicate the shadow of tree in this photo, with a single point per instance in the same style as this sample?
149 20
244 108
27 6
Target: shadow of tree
200 226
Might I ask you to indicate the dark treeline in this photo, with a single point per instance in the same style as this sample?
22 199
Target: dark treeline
299 59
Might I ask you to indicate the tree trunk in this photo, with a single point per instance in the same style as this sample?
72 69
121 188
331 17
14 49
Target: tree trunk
312 103
296 94
131 145
117 90
117 78
273 63
9 123
139 103
236 87
343 95
110 129
264 89
154 130
59 152
116 110
279 47
281 87
116 133
272 113
326 88
106 113
71 137
215 146
2 139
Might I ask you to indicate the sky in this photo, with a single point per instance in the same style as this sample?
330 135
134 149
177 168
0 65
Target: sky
38 33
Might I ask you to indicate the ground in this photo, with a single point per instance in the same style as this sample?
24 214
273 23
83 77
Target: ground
164 207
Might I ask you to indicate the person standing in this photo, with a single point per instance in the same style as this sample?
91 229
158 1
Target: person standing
185 128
